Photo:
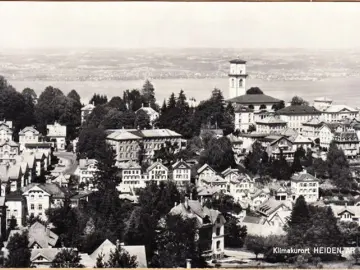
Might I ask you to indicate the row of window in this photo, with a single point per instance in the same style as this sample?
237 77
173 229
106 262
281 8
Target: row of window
32 206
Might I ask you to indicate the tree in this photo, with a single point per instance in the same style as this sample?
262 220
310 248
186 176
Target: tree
219 155
12 226
19 252
296 165
118 258
117 103
155 201
132 99
142 120
148 94
296 100
67 258
234 233
177 242
254 91
338 167
98 99
299 223
356 255
256 244
253 159
278 106
92 143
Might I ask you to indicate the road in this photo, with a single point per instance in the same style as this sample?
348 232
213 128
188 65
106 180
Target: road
69 160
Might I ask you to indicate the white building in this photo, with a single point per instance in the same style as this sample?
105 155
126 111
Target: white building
157 172
131 177
296 115
57 134
153 115
5 131
333 112
325 135
306 185
28 135
86 170
271 125
86 111
244 118
181 173
312 127
41 197
205 172
346 213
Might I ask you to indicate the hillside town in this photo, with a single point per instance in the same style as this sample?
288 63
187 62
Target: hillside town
133 182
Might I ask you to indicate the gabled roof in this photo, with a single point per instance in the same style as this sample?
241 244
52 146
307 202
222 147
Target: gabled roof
107 247
29 129
271 120
84 163
279 139
339 108
52 189
47 253
214 179
148 110
208 191
300 139
204 167
351 209
252 219
346 136
315 121
61 179
29 158
193 208
229 171
270 206
10 143
181 165
289 132
157 163
303 177
298 109
88 107
5 127
14 196
254 99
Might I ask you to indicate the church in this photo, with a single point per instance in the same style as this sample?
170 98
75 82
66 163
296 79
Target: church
251 105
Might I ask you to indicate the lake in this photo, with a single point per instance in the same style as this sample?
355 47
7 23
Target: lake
341 90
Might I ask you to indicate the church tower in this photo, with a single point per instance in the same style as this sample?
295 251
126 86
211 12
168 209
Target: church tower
237 78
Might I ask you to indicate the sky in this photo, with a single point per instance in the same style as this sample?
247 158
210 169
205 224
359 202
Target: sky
178 25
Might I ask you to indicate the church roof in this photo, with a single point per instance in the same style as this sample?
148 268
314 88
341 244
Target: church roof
254 99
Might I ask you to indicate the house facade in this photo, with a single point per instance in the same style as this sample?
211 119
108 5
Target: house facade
6 131
181 173
212 223
86 111
306 185
28 135
271 125
57 135
296 115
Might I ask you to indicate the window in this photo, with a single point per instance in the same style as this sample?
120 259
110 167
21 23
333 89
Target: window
40 206
217 231
232 82
241 83
218 245
32 206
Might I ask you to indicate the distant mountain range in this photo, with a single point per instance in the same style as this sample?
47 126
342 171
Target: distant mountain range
133 64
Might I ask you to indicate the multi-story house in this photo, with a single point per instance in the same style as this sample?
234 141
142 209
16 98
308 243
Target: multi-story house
300 141
128 143
306 185
326 135
57 135
237 147
27 160
296 115
131 177
244 118
153 115
41 147
241 188
86 111
157 172
181 173
348 141
216 181
28 135
11 177
230 174
346 213
41 197
279 145
8 151
212 223
15 208
6 132
312 127
86 170
333 112
271 125
205 172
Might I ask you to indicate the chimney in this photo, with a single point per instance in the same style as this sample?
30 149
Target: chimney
191 195
188 263
175 204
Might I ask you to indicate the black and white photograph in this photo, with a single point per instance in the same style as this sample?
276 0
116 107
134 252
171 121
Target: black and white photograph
179 135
